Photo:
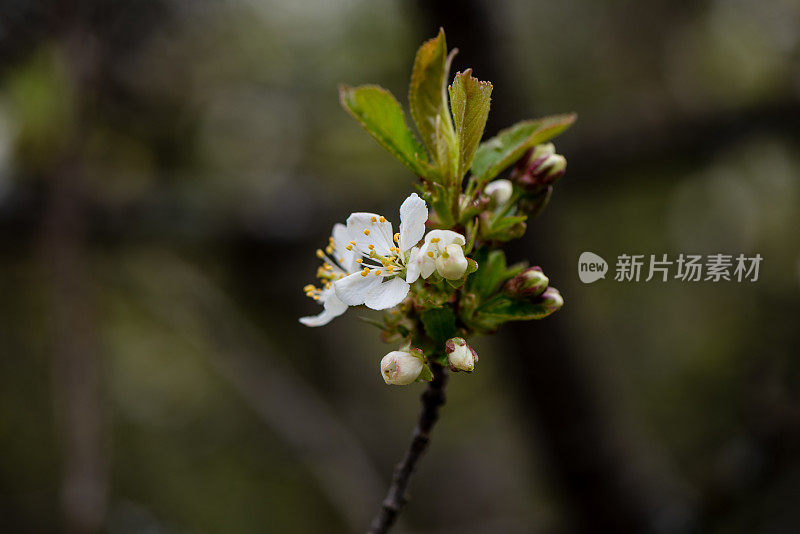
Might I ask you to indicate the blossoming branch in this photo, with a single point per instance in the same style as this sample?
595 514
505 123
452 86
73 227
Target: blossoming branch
443 276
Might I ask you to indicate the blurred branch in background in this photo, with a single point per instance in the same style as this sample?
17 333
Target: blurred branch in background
679 136
286 403
78 397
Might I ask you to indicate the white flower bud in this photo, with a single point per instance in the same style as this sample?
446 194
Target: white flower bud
460 355
451 263
400 368
500 191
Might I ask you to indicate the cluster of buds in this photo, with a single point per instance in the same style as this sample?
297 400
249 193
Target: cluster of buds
532 285
408 365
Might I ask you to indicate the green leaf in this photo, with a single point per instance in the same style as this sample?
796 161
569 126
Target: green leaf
469 103
381 115
499 152
426 96
507 222
458 282
492 272
501 310
426 374
439 323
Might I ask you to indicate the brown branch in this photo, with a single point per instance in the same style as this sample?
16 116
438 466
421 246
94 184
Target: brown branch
432 399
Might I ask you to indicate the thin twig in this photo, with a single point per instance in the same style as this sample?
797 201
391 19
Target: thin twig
432 398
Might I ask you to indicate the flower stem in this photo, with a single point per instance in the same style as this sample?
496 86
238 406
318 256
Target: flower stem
432 399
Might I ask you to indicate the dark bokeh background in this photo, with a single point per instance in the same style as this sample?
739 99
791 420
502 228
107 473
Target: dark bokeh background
167 169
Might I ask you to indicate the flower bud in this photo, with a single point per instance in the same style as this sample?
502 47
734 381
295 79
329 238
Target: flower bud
400 368
451 263
552 299
461 356
499 191
529 283
539 167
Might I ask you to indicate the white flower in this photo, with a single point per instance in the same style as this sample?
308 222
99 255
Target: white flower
500 191
338 262
383 256
400 368
460 355
441 252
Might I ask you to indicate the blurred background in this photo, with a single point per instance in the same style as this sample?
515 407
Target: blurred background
168 168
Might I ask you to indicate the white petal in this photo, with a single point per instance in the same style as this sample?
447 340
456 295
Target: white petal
413 214
387 294
454 265
318 320
426 264
377 233
352 289
333 308
332 302
427 267
341 238
446 237
412 266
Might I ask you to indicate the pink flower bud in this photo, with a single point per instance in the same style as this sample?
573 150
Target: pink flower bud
539 167
529 283
552 299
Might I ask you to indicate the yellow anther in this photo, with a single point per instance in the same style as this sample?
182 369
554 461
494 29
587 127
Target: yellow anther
430 254
320 254
364 273
349 247
383 219
366 232
377 273
329 249
435 240
397 237
309 287
341 260
390 268
353 243
372 247
359 260
374 219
